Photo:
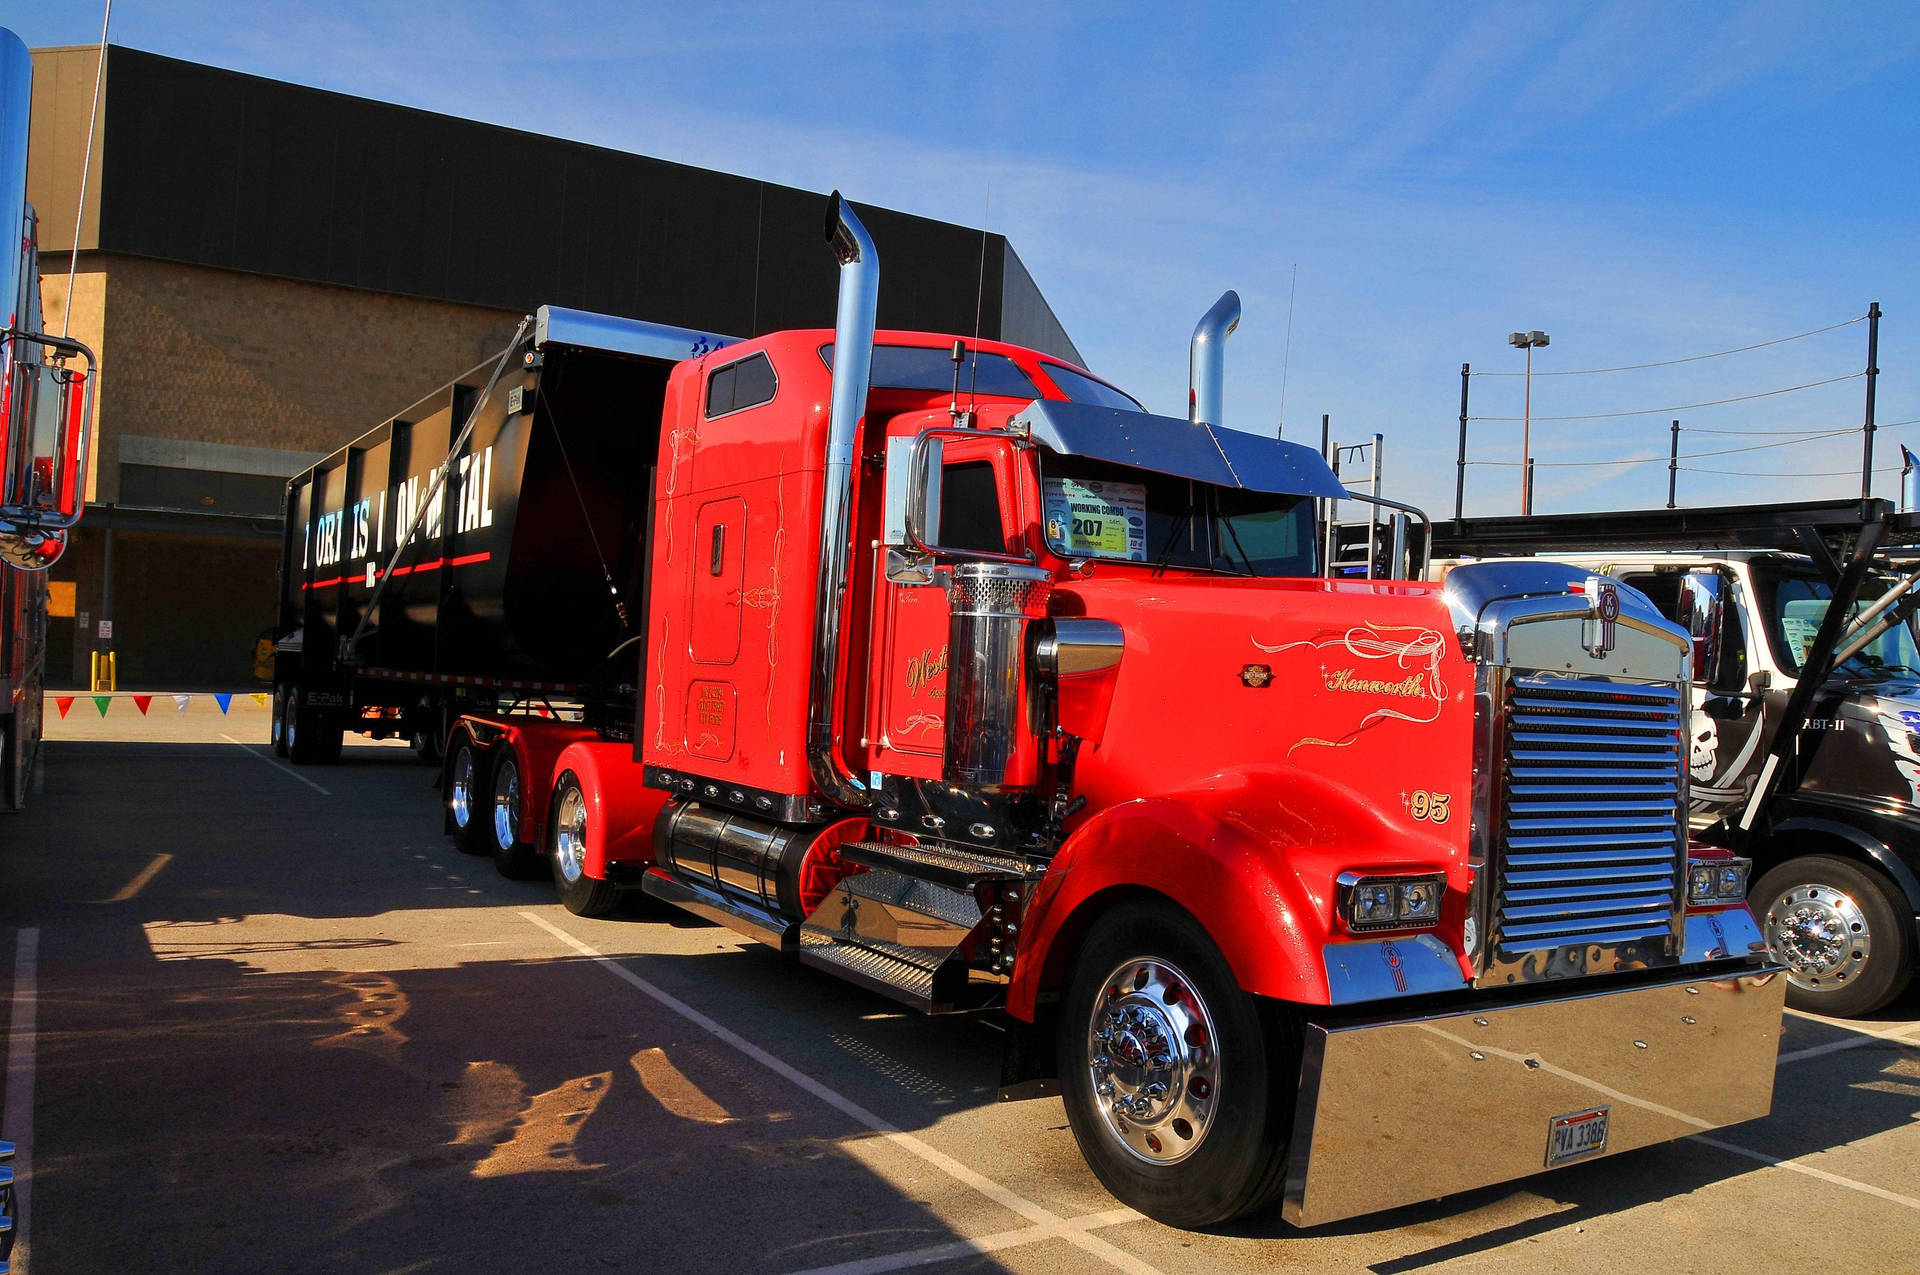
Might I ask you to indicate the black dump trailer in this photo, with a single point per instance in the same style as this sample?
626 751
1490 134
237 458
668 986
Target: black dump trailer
485 546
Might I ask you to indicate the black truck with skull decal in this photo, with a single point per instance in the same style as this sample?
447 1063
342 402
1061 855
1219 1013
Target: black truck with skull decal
1804 736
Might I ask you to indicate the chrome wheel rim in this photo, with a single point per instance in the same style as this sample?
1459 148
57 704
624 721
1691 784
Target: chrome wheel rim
460 792
290 719
570 835
1151 1056
1820 934
506 804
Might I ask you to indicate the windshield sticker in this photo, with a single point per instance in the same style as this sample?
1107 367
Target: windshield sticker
1098 519
1800 631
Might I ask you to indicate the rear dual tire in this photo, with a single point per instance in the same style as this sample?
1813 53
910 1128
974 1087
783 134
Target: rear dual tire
579 893
468 818
514 858
312 734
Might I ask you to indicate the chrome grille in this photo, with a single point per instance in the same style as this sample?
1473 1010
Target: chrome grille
1593 846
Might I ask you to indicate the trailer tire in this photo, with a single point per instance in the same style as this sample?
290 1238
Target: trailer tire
579 893
1153 1019
1841 928
514 858
468 818
312 733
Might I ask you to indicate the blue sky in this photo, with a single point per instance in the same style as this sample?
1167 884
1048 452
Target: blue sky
1644 181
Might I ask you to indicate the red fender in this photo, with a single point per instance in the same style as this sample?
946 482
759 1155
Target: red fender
1252 855
620 810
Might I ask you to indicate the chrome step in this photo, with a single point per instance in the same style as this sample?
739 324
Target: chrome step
907 926
942 865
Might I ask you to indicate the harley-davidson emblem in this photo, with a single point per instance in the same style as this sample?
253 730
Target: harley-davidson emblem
1256 675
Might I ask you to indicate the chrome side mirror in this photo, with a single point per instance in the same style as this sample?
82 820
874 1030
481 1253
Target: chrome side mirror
1703 609
46 420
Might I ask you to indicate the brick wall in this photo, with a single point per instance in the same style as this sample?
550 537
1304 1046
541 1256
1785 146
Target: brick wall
221 357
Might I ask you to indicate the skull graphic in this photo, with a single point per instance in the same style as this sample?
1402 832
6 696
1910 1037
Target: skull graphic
1703 747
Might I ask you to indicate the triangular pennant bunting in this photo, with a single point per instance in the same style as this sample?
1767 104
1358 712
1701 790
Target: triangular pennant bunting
260 699
180 702
223 699
101 701
63 703
143 702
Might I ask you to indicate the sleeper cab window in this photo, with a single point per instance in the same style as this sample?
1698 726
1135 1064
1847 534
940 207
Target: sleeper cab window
738 386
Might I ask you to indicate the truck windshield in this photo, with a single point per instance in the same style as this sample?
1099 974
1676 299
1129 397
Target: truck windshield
1794 602
1093 509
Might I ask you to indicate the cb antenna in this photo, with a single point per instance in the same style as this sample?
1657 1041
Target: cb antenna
86 163
1286 358
979 302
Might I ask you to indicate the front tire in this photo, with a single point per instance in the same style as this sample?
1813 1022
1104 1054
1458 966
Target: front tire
579 893
278 732
467 816
1177 1084
513 857
1841 929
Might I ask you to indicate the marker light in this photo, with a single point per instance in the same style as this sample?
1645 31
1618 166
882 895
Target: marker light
1390 902
1712 882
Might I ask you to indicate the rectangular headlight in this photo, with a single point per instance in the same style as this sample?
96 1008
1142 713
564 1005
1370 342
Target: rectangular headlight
1391 902
1716 881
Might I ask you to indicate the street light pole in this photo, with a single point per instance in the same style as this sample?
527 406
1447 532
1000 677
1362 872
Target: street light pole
1527 341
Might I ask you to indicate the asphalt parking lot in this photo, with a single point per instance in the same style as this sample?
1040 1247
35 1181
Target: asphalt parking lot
269 1019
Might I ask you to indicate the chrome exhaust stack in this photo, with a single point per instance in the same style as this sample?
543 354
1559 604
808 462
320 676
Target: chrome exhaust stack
852 378
1207 360
16 102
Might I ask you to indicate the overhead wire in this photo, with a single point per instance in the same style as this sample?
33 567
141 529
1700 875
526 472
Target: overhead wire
1691 358
1680 407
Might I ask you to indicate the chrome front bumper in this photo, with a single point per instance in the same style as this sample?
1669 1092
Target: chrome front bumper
1396 1112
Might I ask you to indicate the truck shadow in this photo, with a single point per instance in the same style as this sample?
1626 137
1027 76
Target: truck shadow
309 1091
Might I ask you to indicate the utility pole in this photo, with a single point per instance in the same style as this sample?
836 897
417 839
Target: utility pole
1528 341
1873 377
1460 473
1673 463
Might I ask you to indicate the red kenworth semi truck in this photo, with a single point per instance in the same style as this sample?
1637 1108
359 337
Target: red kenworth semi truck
943 667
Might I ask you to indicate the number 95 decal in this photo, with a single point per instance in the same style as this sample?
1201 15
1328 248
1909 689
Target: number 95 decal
1429 807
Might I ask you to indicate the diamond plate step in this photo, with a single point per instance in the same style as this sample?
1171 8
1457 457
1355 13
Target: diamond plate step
876 970
944 865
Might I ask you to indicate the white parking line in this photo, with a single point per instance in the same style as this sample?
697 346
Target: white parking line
272 761
1044 1220
1795 1166
995 1243
1860 1035
16 1119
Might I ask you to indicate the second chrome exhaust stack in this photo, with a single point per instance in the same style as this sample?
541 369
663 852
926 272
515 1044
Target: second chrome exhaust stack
1207 360
852 377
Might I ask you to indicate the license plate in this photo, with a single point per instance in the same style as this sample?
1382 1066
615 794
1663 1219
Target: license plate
1576 1135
